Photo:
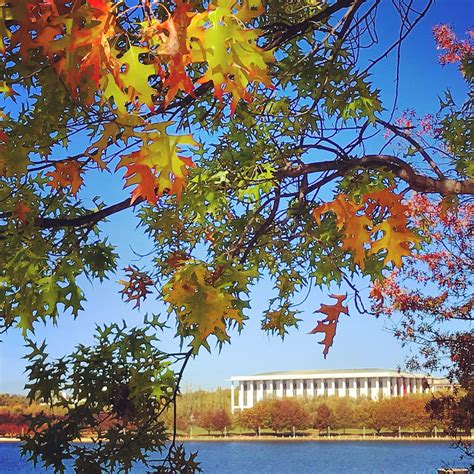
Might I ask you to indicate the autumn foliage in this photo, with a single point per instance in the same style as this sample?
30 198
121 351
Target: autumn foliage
102 63
248 137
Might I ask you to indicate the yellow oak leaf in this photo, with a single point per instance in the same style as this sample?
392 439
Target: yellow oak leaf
395 240
220 39
202 309
356 221
135 76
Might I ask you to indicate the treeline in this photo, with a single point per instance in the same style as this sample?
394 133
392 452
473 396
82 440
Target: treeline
14 410
339 414
209 412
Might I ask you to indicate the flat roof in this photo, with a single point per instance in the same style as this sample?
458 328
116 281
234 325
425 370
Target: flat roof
327 373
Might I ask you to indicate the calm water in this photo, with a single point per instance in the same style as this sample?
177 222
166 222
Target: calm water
295 457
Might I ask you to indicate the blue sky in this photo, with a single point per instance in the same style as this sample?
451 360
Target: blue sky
361 341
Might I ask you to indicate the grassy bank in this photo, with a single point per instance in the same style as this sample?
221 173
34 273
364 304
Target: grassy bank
296 439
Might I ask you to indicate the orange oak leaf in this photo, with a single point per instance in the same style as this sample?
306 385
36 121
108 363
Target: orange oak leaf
379 222
160 153
74 36
328 325
144 177
383 201
66 174
170 39
102 5
22 210
355 227
343 206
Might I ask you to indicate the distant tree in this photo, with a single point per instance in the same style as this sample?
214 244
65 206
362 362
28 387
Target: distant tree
183 422
205 420
323 417
369 415
417 414
343 414
221 420
286 414
256 417
433 298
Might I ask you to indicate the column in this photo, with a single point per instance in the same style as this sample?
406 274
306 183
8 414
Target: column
388 388
241 395
300 387
376 390
270 385
319 387
371 387
250 394
279 388
312 391
232 395
353 388
365 387
332 387
341 389
260 394
408 385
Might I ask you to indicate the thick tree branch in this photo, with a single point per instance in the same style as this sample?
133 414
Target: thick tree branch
401 169
87 219
398 167
418 147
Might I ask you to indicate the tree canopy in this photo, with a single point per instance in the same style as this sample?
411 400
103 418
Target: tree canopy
253 143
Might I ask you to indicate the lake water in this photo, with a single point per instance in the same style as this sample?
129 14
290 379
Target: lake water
295 457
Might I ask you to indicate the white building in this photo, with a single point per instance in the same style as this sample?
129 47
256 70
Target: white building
370 383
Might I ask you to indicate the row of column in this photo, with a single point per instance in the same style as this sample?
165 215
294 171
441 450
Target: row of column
251 392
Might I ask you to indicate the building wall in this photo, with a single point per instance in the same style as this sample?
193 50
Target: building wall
386 384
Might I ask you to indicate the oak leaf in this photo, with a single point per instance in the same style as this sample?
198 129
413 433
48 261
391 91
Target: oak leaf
328 325
166 168
235 61
356 233
379 212
169 39
396 241
202 308
22 210
66 174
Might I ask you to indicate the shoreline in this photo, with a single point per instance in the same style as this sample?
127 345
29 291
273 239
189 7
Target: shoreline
297 439
317 439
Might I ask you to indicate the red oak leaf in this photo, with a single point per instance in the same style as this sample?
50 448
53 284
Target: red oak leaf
328 325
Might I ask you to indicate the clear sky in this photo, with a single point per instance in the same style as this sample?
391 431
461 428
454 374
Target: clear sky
361 341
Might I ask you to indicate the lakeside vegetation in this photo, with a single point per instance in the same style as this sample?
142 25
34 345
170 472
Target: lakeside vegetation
204 413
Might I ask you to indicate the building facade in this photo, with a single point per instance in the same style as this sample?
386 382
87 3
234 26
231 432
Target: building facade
369 383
